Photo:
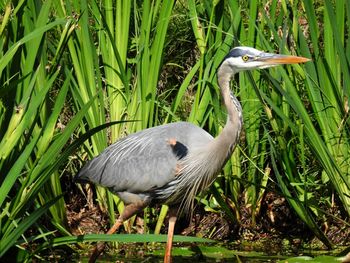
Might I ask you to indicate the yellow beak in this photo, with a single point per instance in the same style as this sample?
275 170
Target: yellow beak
276 59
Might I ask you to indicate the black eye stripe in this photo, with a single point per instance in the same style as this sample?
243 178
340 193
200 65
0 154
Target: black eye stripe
240 52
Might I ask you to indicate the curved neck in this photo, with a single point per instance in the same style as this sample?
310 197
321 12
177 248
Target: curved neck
202 165
233 106
224 144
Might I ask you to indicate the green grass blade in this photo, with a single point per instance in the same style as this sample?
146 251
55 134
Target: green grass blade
125 238
15 170
8 56
9 239
50 126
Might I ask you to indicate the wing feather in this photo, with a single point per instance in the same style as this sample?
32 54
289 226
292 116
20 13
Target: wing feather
145 160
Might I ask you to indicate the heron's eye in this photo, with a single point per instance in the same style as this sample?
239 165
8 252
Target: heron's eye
245 58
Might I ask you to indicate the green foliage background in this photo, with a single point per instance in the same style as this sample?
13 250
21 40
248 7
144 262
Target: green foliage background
69 67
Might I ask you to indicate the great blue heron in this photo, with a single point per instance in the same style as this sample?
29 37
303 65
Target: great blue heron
172 163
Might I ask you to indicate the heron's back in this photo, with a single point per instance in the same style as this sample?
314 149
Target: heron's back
139 164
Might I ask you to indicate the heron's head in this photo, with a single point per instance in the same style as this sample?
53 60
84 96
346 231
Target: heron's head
247 58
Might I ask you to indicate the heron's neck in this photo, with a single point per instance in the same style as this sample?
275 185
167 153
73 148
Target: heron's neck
228 138
233 106
201 167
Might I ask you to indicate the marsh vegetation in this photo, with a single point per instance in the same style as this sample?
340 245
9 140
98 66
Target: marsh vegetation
78 75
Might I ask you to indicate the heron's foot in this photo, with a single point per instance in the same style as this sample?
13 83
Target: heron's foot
97 251
128 212
100 247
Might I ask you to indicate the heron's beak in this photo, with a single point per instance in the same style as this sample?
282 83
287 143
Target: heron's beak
275 59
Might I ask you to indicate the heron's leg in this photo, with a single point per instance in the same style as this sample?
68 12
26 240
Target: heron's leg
169 243
128 212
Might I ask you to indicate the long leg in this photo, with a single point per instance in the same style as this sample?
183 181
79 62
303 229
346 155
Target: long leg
169 244
128 212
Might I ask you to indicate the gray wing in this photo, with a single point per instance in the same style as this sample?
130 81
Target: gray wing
144 160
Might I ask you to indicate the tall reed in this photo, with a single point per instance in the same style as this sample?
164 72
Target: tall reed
32 148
